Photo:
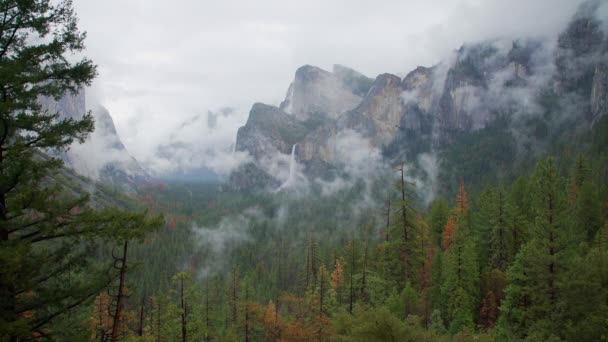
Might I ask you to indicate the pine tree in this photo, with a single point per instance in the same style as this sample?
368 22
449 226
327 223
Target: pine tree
435 292
427 254
437 218
41 229
584 293
120 263
352 268
535 278
461 268
312 262
587 210
337 280
517 224
581 173
189 312
462 203
406 224
234 294
492 230
448 233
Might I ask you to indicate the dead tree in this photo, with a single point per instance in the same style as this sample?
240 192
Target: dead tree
184 313
158 322
121 265
140 328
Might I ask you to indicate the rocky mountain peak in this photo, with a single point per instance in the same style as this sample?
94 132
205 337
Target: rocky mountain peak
319 93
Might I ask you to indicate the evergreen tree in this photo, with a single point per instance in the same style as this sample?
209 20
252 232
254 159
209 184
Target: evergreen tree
45 270
352 267
493 235
535 278
587 210
461 282
437 218
435 293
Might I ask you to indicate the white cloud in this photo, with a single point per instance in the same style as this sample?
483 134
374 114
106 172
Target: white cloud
162 62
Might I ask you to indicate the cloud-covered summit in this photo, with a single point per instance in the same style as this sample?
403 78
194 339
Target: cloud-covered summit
161 63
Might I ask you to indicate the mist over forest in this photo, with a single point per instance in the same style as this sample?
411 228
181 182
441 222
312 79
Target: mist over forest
322 171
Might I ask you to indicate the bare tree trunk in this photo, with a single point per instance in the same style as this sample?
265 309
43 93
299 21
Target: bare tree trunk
121 292
184 313
140 330
159 321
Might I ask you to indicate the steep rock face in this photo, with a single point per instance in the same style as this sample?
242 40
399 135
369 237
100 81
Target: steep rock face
102 157
319 93
319 145
378 116
580 47
459 107
418 88
419 100
268 130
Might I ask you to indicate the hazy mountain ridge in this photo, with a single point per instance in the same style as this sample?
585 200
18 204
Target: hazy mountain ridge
520 81
102 157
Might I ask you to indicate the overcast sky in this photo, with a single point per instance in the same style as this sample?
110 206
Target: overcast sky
163 62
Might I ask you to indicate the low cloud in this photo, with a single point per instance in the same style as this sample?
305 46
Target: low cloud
218 240
207 55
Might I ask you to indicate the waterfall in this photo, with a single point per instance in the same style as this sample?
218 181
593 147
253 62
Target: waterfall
292 170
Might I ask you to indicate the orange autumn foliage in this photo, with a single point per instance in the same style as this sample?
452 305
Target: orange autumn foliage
448 233
337 276
297 321
462 203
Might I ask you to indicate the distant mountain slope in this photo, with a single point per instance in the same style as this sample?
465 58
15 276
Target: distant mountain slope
102 157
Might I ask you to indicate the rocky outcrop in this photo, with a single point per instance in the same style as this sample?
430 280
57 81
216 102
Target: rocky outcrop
318 93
